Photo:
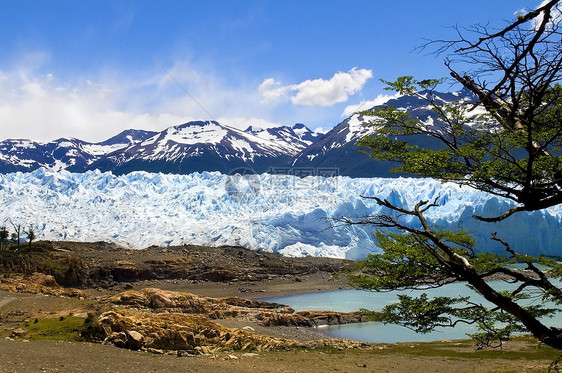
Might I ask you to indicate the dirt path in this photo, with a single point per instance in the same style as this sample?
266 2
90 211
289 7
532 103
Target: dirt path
6 300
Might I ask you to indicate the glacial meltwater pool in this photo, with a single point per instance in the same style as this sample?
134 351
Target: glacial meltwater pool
353 300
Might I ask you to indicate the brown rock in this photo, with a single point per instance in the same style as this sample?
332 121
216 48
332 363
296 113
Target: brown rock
159 299
19 332
43 279
333 318
189 333
264 313
118 339
135 340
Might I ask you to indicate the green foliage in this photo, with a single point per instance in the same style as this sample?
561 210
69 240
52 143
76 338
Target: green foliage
477 150
401 265
30 235
496 327
91 330
405 262
555 268
409 261
423 314
4 233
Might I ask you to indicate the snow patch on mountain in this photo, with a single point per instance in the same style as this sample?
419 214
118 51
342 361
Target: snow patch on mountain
358 127
99 150
280 213
206 133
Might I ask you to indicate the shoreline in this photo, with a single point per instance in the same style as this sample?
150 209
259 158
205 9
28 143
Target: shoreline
271 288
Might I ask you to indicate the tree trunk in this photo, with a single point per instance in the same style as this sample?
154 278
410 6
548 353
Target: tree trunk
547 335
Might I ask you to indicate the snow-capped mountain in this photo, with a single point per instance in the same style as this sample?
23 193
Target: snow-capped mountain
209 146
127 138
190 147
338 148
70 154
299 133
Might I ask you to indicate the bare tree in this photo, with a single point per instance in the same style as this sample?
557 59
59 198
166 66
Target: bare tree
17 235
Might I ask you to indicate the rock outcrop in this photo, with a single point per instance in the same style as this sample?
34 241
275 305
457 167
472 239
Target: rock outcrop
38 283
192 334
102 265
263 313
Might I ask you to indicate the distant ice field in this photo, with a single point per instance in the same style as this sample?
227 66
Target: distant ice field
286 214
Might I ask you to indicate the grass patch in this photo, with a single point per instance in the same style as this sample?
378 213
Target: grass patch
60 328
520 347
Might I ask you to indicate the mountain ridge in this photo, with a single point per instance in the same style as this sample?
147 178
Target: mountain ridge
199 146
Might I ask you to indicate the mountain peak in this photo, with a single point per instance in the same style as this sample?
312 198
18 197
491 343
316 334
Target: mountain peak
129 137
253 129
197 123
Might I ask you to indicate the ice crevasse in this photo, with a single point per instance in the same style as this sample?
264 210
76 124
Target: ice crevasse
286 214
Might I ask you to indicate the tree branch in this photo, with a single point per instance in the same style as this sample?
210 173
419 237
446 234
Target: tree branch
520 20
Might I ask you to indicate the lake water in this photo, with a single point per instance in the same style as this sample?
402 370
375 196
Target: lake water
353 300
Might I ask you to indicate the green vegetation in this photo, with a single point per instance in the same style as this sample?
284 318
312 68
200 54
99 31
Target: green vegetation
4 234
528 349
60 328
511 149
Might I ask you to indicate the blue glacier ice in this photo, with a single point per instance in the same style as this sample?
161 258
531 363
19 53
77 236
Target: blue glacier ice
285 214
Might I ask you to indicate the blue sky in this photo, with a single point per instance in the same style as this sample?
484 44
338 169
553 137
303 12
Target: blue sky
90 69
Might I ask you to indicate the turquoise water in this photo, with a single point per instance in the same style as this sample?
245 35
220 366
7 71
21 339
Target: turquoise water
353 300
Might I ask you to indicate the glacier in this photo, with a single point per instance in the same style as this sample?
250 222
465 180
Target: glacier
275 213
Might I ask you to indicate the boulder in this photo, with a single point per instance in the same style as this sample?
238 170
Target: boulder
135 340
43 279
119 339
166 331
333 318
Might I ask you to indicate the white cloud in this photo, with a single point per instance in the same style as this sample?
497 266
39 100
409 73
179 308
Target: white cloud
43 106
321 130
556 15
317 92
272 91
243 122
320 92
366 105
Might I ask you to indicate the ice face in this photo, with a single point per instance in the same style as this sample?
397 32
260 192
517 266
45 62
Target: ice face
286 214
